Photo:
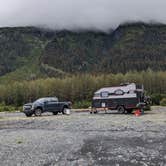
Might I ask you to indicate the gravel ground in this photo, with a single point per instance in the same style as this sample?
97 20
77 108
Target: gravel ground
83 139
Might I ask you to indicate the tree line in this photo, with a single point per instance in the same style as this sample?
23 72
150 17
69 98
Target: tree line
78 88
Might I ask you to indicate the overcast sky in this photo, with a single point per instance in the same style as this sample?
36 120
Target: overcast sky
80 14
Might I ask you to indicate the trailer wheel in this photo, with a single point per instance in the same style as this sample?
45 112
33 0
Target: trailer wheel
142 111
121 109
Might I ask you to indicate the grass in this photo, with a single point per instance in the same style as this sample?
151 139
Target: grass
28 72
19 141
81 104
5 108
163 102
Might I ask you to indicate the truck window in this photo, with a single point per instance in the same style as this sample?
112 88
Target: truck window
54 100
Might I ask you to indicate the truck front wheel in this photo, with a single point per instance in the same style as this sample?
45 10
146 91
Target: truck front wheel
28 114
38 112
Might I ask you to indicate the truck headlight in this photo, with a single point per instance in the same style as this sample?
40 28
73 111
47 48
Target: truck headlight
33 106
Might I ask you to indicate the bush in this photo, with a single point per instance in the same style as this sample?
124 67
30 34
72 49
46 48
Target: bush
163 102
4 108
156 99
82 104
80 87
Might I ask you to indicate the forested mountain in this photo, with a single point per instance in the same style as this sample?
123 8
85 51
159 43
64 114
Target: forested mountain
130 47
33 52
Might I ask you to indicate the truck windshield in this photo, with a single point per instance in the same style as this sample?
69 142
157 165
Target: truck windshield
41 100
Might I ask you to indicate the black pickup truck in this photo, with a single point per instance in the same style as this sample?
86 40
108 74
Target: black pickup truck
48 104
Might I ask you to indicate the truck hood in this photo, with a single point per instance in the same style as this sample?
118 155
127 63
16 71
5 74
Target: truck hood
28 104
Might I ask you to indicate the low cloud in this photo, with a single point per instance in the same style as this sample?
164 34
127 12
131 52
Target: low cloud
80 14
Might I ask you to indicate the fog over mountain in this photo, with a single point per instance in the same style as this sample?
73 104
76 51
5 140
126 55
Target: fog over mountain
80 14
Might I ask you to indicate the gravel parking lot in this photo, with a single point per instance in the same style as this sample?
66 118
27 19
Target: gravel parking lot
83 139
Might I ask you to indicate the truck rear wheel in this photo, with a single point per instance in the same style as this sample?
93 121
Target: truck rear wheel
64 110
121 109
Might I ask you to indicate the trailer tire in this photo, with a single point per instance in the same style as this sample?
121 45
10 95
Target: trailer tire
142 111
121 109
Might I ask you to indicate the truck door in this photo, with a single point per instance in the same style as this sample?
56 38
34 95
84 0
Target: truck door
50 105
54 105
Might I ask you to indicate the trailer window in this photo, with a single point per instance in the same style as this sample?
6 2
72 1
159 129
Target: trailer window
131 91
104 94
97 95
119 92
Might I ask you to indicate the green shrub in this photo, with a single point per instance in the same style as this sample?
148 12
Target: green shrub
4 108
80 88
163 102
81 104
156 98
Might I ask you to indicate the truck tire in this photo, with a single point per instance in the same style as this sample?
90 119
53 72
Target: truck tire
38 112
95 112
121 109
28 114
64 110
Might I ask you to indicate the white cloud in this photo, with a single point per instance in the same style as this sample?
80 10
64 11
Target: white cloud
80 14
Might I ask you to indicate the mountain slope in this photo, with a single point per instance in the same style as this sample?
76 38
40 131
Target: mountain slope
21 46
130 47
29 53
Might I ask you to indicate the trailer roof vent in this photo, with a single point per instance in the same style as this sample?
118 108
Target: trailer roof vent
119 92
124 84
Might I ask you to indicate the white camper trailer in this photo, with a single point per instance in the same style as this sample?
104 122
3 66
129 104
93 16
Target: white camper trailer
123 98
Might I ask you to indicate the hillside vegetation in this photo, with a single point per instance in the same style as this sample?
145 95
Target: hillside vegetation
128 48
34 53
80 87
20 50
